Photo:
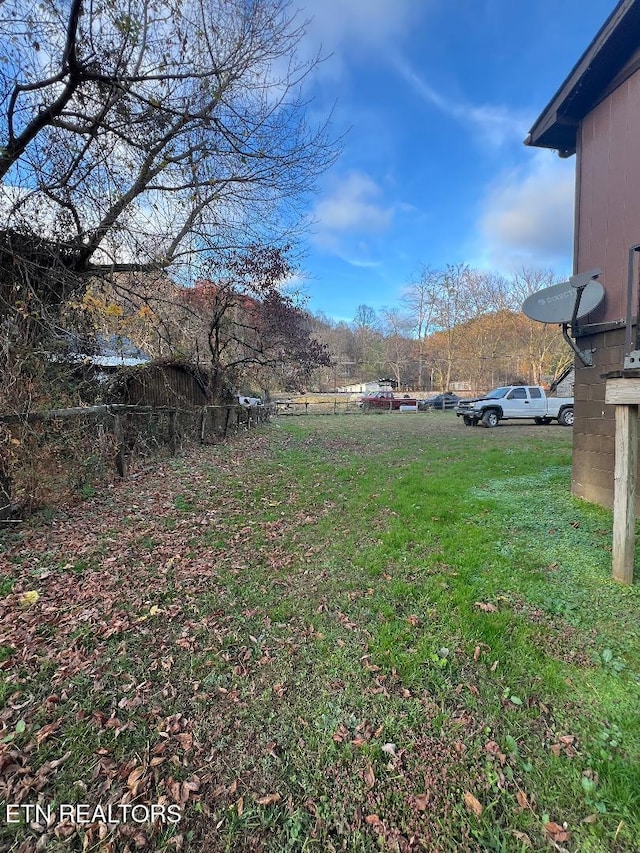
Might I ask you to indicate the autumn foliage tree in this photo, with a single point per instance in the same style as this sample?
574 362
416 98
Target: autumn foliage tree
249 327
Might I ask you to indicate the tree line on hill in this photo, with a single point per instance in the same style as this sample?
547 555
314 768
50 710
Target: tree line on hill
455 327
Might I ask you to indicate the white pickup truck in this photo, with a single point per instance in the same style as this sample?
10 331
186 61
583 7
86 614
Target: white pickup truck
516 401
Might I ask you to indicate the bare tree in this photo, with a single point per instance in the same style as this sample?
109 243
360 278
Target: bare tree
367 341
543 348
418 301
397 343
140 134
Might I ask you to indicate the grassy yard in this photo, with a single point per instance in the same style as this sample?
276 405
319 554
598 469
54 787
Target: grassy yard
357 633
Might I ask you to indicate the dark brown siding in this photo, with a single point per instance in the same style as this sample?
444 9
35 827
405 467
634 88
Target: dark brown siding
607 223
594 427
608 214
164 385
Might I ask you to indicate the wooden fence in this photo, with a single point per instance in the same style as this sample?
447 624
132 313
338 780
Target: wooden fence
318 407
62 450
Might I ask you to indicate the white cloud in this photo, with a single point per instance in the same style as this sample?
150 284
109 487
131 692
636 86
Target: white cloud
527 216
352 206
344 29
495 125
350 213
339 22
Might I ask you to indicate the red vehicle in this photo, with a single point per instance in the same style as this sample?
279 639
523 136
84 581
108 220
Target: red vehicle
386 400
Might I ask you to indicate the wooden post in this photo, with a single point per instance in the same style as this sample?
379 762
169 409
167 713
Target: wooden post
5 486
121 454
624 495
203 424
173 417
623 392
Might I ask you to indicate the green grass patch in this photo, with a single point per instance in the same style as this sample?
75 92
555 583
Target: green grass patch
356 633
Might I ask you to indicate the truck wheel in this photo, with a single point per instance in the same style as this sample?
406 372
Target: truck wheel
491 418
543 421
565 418
467 420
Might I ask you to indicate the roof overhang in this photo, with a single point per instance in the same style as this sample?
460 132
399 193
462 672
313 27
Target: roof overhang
599 70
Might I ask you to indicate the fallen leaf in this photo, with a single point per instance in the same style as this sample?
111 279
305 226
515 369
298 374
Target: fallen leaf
420 801
523 838
369 776
492 748
140 840
485 607
556 832
523 802
47 731
473 804
476 653
134 778
29 598
268 800
341 734
373 819
185 739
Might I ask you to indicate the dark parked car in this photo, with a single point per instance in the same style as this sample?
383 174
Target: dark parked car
440 402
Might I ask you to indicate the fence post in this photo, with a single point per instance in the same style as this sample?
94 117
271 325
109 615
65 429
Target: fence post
226 422
173 417
5 487
121 454
203 424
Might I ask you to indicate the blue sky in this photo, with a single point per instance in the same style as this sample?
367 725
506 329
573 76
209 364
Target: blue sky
438 96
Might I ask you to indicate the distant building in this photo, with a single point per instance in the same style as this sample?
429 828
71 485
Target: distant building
368 387
563 385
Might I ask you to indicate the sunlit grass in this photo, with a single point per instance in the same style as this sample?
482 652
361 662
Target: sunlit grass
401 611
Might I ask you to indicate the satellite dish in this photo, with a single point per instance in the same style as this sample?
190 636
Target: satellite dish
556 304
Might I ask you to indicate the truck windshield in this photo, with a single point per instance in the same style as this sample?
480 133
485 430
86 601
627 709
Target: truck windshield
496 393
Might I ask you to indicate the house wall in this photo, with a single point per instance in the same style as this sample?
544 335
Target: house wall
566 387
608 203
607 223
